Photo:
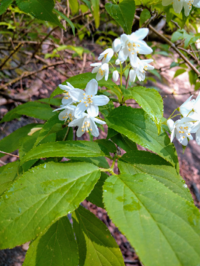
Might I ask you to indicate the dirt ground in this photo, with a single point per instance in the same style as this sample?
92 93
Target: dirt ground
174 92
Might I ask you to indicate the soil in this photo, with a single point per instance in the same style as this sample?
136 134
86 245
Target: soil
174 92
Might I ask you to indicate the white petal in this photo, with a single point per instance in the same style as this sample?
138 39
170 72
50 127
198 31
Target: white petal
172 135
92 87
66 101
170 124
123 54
79 110
133 59
186 107
115 75
99 121
198 136
144 48
141 33
140 75
166 2
132 75
196 3
95 70
117 45
100 100
63 115
76 94
99 76
187 8
95 130
96 64
70 85
76 122
106 55
93 110
177 5
64 87
117 62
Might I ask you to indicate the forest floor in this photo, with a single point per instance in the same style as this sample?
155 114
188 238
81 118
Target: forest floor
174 92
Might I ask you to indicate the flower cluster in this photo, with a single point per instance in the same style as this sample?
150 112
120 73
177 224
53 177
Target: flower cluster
189 123
76 102
126 47
179 4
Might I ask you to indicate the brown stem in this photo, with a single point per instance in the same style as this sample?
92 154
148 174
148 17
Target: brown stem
9 154
11 54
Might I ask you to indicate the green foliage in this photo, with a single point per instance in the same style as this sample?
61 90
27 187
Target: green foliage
144 16
155 220
40 9
95 6
66 19
94 241
56 247
138 127
122 13
74 6
4 4
183 35
41 196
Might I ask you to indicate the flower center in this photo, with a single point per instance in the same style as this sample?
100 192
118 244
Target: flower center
86 127
66 94
68 116
101 71
184 130
87 99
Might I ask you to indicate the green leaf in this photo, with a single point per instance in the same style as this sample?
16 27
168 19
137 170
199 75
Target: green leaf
8 173
144 16
124 143
56 247
106 145
95 6
177 35
96 245
66 19
74 6
4 4
179 72
88 4
96 196
136 162
68 148
13 141
150 101
155 220
40 9
40 197
192 77
80 81
123 14
136 125
98 161
32 109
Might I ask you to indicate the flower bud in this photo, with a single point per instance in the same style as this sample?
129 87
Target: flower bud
117 62
117 45
115 75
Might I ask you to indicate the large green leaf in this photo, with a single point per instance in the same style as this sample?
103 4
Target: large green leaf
56 247
8 173
68 148
155 220
40 197
124 143
123 13
4 4
96 245
96 196
137 126
13 141
40 9
32 109
95 5
80 81
136 162
150 101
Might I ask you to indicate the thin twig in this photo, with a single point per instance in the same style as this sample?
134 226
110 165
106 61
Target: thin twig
2 162
9 154
11 54
27 74
173 47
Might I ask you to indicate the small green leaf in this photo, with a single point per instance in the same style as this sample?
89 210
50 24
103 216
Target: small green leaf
144 16
8 173
40 9
179 72
68 148
13 141
4 4
88 4
123 13
66 19
150 101
40 197
56 247
95 6
74 6
136 125
96 196
96 245
32 109
136 162
155 220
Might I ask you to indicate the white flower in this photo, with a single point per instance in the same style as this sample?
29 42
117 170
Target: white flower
117 62
132 45
86 124
179 4
117 45
191 108
140 69
106 55
115 75
196 129
67 113
181 129
67 99
88 100
101 70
